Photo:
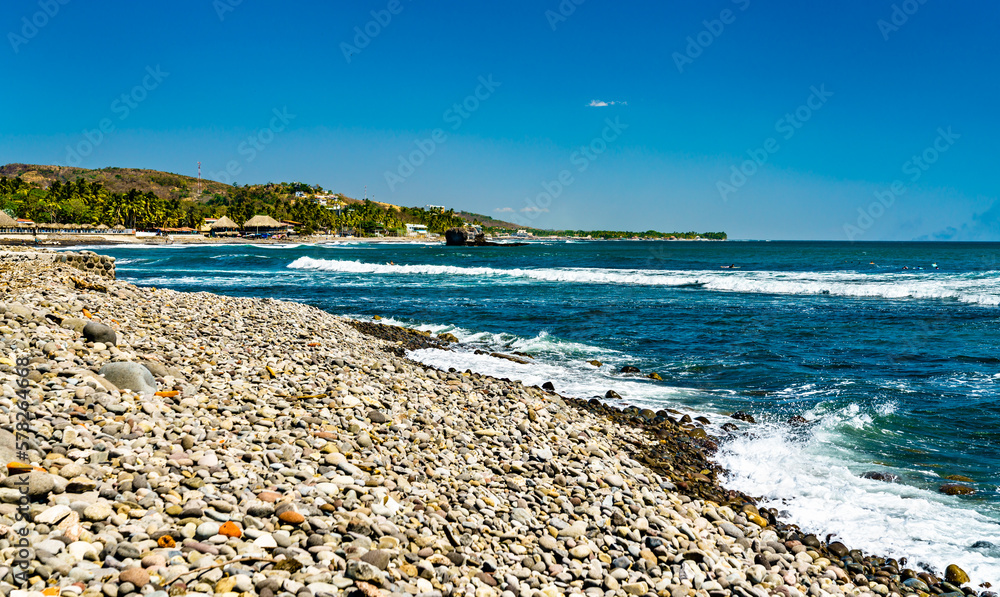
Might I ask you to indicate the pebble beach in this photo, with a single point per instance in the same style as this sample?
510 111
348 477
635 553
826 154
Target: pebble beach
196 444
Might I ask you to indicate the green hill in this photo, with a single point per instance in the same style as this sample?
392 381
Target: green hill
144 199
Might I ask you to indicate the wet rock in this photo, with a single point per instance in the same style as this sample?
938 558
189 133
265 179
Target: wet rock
956 489
881 476
955 575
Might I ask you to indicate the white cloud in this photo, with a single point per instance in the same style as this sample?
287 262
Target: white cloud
503 210
533 209
604 104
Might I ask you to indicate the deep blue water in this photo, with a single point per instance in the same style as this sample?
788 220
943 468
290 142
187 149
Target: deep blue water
889 349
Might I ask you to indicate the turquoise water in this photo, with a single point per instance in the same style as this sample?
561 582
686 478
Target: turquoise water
890 350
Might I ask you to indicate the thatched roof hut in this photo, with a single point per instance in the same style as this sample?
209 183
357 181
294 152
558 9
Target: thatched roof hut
224 223
266 222
103 227
118 227
7 221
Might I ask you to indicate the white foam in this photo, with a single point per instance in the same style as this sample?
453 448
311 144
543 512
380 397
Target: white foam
811 480
980 288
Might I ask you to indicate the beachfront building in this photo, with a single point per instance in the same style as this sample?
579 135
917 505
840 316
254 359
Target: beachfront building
416 230
8 224
263 225
224 227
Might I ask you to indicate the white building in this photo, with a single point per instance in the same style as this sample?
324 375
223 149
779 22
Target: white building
416 230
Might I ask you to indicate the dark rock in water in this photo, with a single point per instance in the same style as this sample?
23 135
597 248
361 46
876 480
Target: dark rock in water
703 420
448 338
629 369
729 427
611 394
507 357
129 376
956 489
547 386
742 416
881 476
655 376
982 545
797 421
467 237
98 332
595 363
458 237
408 339
959 478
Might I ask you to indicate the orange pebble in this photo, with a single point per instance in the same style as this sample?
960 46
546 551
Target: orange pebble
169 394
17 468
51 591
166 541
231 529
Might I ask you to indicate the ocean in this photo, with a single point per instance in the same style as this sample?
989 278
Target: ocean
888 350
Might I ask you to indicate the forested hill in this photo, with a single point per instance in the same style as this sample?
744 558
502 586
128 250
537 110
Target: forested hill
147 199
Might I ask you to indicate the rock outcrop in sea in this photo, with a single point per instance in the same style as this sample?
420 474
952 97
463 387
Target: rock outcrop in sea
237 446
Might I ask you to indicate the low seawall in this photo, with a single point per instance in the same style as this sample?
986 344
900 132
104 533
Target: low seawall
86 261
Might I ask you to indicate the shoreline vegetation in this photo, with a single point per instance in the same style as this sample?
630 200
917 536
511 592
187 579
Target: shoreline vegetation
278 450
148 200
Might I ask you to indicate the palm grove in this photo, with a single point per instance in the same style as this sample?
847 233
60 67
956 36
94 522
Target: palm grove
83 202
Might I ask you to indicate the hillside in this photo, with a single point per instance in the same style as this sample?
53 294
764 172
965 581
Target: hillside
139 198
164 185
167 185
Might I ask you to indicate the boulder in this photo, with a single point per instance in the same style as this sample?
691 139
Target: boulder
457 237
98 332
629 369
129 376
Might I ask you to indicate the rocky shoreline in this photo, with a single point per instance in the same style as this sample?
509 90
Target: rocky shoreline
199 444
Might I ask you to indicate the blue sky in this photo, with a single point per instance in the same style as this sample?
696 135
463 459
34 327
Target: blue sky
779 120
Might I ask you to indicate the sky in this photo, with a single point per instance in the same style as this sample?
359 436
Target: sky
856 120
